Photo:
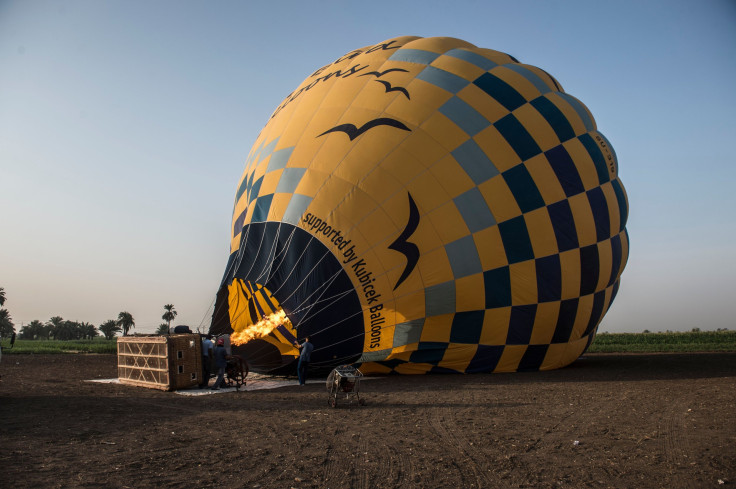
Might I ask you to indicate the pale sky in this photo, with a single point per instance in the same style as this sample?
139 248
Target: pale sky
124 128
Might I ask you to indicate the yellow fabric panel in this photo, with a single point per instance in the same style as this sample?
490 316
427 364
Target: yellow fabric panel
583 218
570 265
372 368
495 56
523 283
583 163
497 148
448 223
470 293
570 113
444 131
541 232
270 181
435 267
402 166
458 356
380 184
545 179
413 113
520 83
278 206
410 305
426 189
458 67
376 226
544 76
495 326
424 147
357 204
545 322
624 250
605 260
585 308
451 176
437 328
490 248
614 217
499 198
555 357
439 44
537 126
573 351
331 193
479 100
413 368
510 358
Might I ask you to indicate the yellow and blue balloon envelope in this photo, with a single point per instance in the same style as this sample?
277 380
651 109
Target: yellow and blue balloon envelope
424 205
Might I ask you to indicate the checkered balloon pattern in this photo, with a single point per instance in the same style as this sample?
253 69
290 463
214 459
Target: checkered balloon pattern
424 205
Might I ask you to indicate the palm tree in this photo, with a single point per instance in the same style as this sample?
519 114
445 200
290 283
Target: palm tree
125 321
2 296
54 325
109 328
169 315
7 328
163 328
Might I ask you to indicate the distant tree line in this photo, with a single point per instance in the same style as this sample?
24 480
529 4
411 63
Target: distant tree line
58 328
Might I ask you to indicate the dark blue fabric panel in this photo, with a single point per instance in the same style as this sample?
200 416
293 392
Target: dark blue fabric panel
599 206
466 327
549 278
533 358
595 153
616 255
504 93
622 207
253 194
555 118
565 169
429 352
521 324
516 242
563 223
589 269
565 320
486 359
497 284
263 205
238 225
525 191
517 136
599 300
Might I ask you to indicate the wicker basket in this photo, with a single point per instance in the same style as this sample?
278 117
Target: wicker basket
160 362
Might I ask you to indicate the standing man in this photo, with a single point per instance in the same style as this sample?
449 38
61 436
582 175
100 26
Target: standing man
304 357
207 354
220 363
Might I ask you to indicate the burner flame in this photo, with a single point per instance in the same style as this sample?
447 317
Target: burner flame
259 329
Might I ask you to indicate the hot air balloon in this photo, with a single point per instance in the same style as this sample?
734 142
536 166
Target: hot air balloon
424 205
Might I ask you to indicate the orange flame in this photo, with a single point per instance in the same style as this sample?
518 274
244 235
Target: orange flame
259 329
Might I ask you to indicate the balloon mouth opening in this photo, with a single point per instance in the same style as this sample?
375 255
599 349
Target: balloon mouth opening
286 279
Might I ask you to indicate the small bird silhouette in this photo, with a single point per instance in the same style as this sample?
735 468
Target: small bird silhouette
390 88
353 132
379 74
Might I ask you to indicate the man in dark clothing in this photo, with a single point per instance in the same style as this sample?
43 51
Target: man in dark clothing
220 363
304 357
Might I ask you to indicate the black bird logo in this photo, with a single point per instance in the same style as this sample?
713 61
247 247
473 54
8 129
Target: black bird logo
379 74
389 88
409 250
353 132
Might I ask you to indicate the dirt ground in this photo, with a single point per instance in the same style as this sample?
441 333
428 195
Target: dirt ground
618 421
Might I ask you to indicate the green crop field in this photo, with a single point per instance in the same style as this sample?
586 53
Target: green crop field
98 345
692 341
